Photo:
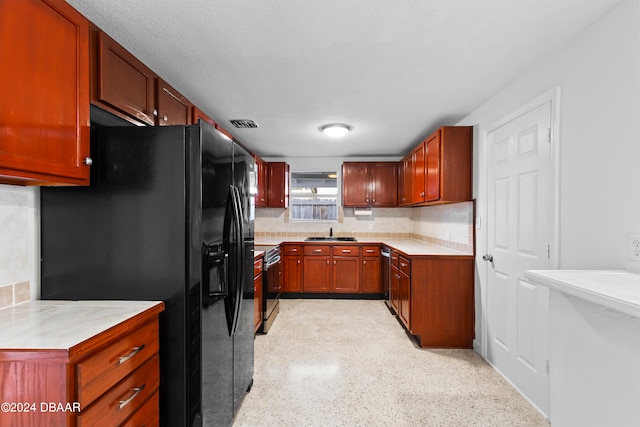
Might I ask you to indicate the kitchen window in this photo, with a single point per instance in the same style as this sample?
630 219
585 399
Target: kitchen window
314 196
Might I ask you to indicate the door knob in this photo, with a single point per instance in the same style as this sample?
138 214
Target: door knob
488 257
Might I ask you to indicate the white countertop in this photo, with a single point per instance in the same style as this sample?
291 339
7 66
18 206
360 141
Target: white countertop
615 289
60 325
410 247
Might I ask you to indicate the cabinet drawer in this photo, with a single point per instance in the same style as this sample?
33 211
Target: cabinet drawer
148 415
317 250
98 373
395 258
124 399
257 266
292 250
404 265
371 251
346 250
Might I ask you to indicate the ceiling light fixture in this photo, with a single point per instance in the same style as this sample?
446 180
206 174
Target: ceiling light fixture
335 130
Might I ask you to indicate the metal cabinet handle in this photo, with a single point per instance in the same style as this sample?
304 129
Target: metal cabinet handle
364 262
135 351
370 251
136 391
346 251
403 264
317 250
88 161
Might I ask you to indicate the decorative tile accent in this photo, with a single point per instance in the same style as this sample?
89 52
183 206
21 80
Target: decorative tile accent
6 296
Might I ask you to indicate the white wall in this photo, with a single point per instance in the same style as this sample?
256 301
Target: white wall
599 75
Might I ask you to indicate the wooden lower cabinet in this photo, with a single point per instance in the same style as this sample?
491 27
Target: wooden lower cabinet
316 275
442 301
371 270
292 268
327 268
110 379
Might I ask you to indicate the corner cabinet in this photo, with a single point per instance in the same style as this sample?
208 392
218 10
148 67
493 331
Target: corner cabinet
44 81
433 297
367 184
438 170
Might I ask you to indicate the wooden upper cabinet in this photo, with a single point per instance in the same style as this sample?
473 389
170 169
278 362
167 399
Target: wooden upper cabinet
44 86
418 161
198 114
355 184
440 167
262 184
384 184
278 182
367 184
121 83
172 107
432 166
405 176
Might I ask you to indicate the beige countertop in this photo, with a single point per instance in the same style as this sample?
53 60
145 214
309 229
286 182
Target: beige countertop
60 325
409 247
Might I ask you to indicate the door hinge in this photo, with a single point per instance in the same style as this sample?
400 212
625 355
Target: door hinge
547 367
549 135
548 251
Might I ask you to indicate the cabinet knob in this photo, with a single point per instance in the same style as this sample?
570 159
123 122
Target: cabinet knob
165 118
155 113
88 161
364 262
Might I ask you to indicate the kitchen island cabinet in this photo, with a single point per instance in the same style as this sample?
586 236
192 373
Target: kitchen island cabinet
79 357
44 81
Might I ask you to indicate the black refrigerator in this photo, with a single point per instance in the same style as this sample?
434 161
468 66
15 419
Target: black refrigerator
168 216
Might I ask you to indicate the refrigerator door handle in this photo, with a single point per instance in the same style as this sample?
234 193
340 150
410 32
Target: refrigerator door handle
239 262
230 244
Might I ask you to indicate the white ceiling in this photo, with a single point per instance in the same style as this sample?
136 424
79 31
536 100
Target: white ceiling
394 70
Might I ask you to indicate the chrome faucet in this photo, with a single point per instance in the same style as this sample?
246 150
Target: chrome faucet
330 231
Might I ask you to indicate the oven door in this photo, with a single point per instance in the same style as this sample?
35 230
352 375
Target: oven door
273 285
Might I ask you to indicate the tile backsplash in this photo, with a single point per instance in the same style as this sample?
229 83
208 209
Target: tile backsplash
445 225
14 294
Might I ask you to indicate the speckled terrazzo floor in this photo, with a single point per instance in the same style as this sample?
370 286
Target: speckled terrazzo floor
349 363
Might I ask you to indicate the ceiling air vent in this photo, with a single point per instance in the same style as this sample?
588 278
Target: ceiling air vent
244 124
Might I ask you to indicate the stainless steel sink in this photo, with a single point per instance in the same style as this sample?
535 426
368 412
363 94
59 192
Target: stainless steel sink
330 239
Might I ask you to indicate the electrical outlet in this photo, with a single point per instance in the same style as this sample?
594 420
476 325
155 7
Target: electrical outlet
634 247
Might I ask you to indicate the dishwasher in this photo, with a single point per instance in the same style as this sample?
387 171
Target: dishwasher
386 274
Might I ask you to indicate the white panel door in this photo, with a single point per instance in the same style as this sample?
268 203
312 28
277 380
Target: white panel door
519 237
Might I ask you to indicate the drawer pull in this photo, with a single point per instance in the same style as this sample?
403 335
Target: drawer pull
370 251
135 351
317 250
346 251
403 264
136 391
